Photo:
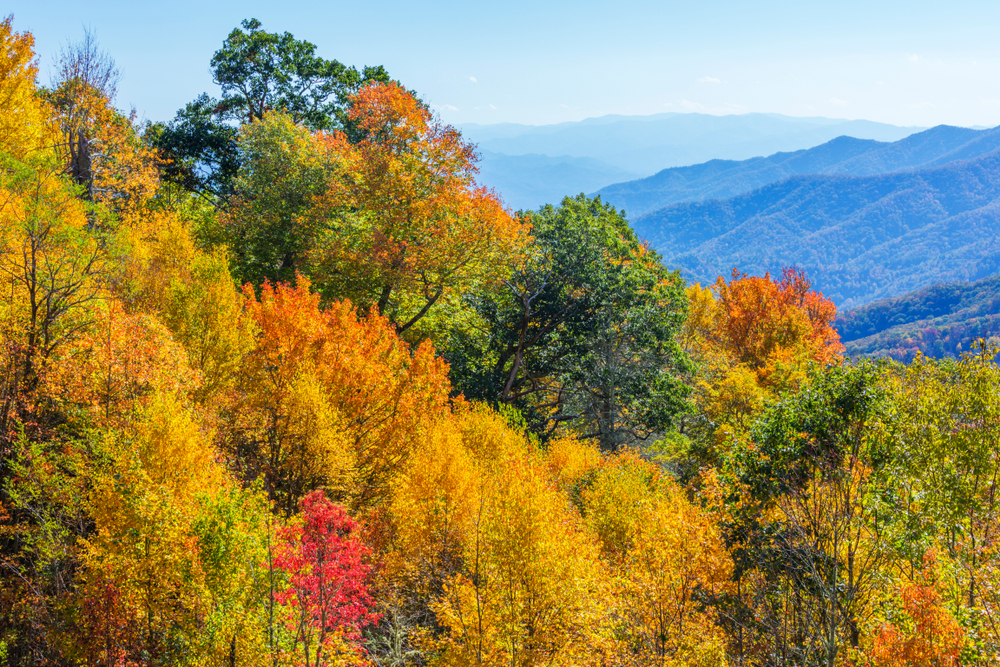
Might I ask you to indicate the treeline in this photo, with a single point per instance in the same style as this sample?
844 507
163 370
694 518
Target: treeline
282 386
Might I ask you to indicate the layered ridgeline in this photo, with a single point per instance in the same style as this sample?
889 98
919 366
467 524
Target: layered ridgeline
720 179
533 165
938 321
860 238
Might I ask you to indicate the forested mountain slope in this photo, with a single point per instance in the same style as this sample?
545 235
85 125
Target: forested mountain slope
859 238
937 321
720 179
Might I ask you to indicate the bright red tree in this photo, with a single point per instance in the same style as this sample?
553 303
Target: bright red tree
327 597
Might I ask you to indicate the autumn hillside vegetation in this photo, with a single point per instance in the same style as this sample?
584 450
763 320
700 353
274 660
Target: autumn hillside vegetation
281 384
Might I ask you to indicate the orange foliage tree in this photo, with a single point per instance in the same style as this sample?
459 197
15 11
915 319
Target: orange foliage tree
326 398
755 337
764 321
928 636
408 228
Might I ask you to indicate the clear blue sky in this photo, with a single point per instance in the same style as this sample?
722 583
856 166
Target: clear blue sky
529 61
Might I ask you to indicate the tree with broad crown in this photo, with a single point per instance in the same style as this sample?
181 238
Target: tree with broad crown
407 228
582 335
268 224
258 72
753 337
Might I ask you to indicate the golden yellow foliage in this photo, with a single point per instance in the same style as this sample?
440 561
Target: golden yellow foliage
527 591
25 119
326 398
666 558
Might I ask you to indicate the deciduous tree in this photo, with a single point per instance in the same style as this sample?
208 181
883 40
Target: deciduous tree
408 228
327 602
582 336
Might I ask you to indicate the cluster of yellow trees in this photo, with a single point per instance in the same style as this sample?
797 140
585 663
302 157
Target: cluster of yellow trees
161 427
194 471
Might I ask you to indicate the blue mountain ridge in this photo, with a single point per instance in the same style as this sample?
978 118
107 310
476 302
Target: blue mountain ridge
721 179
553 161
859 238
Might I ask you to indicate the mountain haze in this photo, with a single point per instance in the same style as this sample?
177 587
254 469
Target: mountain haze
720 179
860 238
526 181
640 145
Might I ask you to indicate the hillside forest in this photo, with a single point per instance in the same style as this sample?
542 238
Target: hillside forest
282 385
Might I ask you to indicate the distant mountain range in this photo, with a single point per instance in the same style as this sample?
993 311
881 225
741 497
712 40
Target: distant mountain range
611 149
859 238
937 321
527 181
720 179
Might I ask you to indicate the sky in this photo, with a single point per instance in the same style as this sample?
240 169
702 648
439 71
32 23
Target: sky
911 63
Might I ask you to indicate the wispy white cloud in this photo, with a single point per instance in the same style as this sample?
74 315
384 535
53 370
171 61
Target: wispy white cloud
708 79
493 107
448 107
992 103
914 59
837 101
880 83
691 106
473 79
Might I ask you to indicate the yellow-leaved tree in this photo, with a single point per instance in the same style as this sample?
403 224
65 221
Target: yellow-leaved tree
668 563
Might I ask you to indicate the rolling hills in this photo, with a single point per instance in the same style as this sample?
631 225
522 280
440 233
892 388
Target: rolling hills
720 179
526 181
860 238
937 321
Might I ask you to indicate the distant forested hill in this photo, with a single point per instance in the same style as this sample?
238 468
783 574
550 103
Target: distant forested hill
720 179
938 321
859 238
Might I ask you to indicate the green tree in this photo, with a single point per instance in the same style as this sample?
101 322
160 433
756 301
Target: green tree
283 170
583 336
258 72
809 528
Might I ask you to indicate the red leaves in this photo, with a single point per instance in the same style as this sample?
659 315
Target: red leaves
328 570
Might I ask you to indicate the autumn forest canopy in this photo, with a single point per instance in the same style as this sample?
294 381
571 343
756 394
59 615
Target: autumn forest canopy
282 384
